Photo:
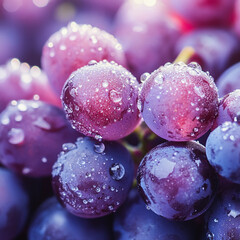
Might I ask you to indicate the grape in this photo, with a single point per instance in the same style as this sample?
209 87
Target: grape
92 179
222 220
11 42
229 80
20 81
73 47
176 180
179 102
204 12
54 222
223 150
229 109
13 205
215 48
147 33
28 13
31 136
134 221
100 100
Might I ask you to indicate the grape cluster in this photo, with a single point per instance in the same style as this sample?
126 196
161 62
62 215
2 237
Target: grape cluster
119 120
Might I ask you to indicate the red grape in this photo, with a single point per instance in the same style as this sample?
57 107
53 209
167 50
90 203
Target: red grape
31 136
73 47
20 81
147 33
100 100
179 102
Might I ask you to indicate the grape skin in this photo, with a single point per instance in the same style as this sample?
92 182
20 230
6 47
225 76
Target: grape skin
134 221
13 205
93 179
222 219
31 136
100 100
176 180
229 80
222 149
73 47
52 221
179 102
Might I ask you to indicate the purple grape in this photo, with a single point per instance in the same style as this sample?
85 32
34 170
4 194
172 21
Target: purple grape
31 136
54 222
179 102
11 42
229 109
92 179
176 180
20 81
134 221
13 205
223 150
148 34
100 100
73 47
204 12
28 13
229 80
215 49
222 220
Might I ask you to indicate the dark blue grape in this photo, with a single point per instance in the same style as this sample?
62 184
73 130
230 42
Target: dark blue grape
223 150
92 179
223 218
176 180
13 205
53 222
229 80
134 221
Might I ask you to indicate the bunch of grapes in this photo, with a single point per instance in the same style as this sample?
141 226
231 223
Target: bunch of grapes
120 120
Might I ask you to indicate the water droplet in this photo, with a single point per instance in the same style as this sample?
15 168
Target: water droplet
210 236
44 160
18 118
93 39
99 148
115 96
66 147
234 213
16 136
41 123
92 62
117 171
5 120
110 207
98 137
105 84
159 78
26 170
225 126
98 189
22 107
232 138
144 77
63 47
195 65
